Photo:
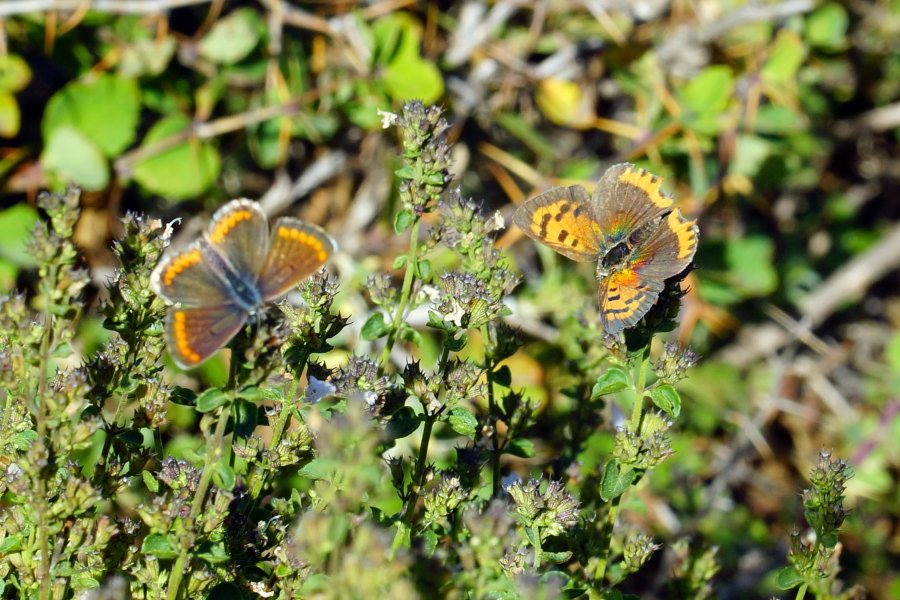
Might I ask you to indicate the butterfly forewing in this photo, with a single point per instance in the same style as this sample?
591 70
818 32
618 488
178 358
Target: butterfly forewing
194 334
669 250
239 232
185 278
296 251
625 199
562 218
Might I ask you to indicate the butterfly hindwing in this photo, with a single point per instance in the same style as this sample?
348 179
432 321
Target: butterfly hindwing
194 334
625 297
563 219
296 251
184 278
239 232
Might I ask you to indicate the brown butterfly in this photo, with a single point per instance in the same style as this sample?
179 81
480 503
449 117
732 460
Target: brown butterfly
628 226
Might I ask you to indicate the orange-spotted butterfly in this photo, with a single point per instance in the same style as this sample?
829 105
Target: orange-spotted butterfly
628 226
222 279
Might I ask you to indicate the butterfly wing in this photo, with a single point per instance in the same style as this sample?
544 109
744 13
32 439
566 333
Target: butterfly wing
668 250
629 292
625 298
625 199
194 334
562 218
184 278
296 251
239 231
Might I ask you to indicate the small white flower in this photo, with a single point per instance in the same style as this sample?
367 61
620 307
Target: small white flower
318 389
387 118
497 222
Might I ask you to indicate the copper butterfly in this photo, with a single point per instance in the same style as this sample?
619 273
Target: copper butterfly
227 275
628 226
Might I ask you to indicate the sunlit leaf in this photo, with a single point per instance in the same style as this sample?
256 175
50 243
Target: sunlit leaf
73 156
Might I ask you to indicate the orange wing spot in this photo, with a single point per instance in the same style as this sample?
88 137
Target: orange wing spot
179 264
306 239
227 224
625 277
686 232
181 338
648 183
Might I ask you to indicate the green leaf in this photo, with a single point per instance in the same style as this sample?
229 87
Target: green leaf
614 482
12 543
503 376
150 481
146 57
463 422
374 327
10 117
411 78
16 224
613 380
131 437
751 267
556 557
826 27
223 476
246 417
105 111
158 545
403 220
211 399
73 156
787 578
407 76
14 73
183 171
232 38
709 91
402 423
400 261
183 396
83 581
521 447
667 399
423 269
24 439
429 542
786 55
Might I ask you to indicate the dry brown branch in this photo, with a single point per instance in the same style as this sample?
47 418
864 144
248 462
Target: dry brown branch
138 7
849 283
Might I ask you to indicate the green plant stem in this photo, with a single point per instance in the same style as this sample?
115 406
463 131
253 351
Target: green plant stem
419 472
492 415
636 413
538 552
283 417
600 571
636 410
801 592
408 279
214 453
409 507
40 415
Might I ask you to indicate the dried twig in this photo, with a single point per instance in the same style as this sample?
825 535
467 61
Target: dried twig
138 7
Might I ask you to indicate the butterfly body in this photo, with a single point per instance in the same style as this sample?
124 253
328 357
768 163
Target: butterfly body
628 226
222 279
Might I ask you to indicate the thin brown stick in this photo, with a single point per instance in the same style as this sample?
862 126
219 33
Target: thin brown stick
141 7
207 130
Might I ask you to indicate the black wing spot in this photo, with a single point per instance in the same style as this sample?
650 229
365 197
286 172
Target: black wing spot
545 220
574 242
562 236
563 209
577 212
